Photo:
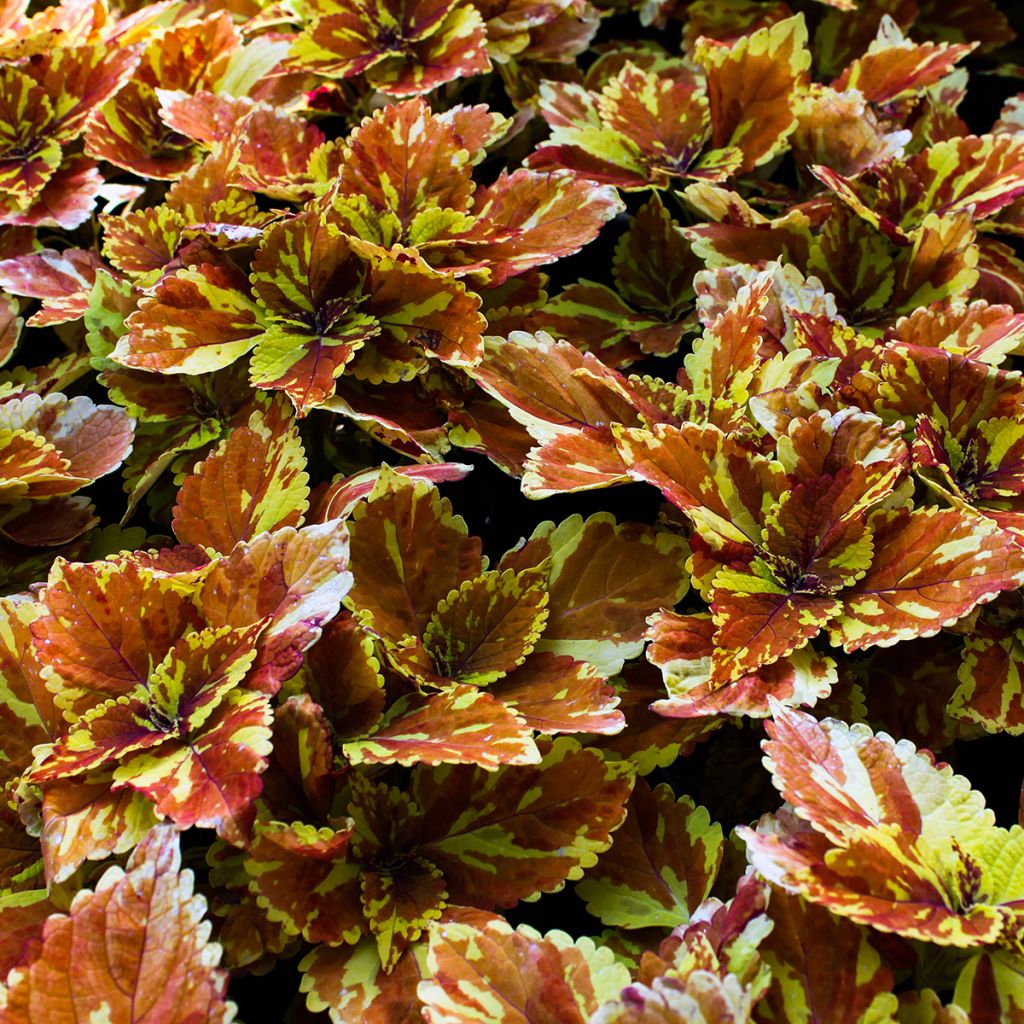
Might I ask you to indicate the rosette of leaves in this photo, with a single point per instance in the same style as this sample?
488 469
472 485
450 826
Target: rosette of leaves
879 833
647 128
315 307
473 661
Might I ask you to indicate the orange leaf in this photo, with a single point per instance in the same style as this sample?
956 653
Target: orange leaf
134 950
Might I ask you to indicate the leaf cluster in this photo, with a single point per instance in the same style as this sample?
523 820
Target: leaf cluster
729 291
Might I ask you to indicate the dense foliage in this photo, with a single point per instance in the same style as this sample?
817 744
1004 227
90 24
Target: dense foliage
399 608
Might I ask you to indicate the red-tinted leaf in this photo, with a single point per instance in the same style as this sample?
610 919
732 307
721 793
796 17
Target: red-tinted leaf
526 219
557 694
296 578
211 779
301 878
135 949
477 825
462 725
95 650
683 646
753 87
351 983
604 580
198 320
340 498
480 968
408 553
930 568
661 864
86 821
254 481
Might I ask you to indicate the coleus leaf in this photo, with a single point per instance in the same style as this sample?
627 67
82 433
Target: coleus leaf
56 445
184 736
23 180
894 66
757 622
523 220
340 498
884 836
21 862
418 835
460 725
654 266
700 997
342 674
405 417
722 940
346 887
27 709
296 579
528 219
350 982
175 420
398 908
991 689
63 280
423 314
397 904
11 325
301 878
642 129
482 969
661 864
925 1006
954 391
708 474
307 279
552 388
604 579
199 319
408 552
211 779
85 820
408 161
332 304
899 597
22 928
752 89
128 131
136 948
174 703
254 481
302 780
503 836
804 950
487 627
554 693
976 175
85 643
989 986
251 942
598 320
841 130
894 784
723 360
261 148
682 646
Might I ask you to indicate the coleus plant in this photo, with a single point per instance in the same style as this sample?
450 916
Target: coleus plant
511 511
